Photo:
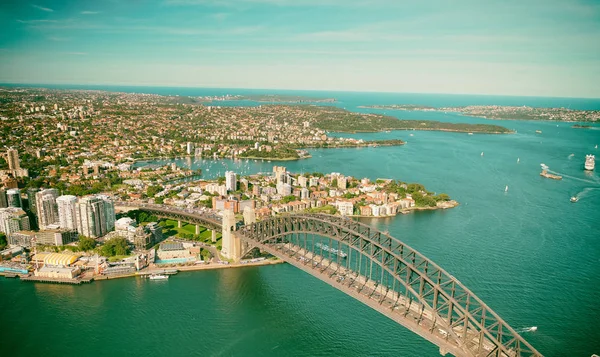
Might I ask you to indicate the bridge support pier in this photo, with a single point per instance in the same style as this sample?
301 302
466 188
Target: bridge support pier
197 229
178 224
232 244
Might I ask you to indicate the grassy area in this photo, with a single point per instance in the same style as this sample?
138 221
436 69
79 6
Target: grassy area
116 258
170 229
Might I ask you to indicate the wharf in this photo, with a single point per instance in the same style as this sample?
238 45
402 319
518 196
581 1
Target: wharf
77 281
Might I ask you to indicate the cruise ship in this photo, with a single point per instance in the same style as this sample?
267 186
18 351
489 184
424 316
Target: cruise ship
590 162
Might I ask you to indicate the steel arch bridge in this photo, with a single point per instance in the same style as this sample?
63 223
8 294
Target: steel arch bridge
209 221
390 277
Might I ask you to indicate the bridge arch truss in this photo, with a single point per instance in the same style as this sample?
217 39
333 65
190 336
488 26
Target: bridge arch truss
390 277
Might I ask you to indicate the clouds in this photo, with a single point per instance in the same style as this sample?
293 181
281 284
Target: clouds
325 44
46 9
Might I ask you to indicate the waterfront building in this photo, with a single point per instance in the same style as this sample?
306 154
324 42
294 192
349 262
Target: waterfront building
24 238
13 197
67 216
230 181
12 156
345 208
156 231
13 219
3 199
95 216
143 238
190 148
56 236
47 210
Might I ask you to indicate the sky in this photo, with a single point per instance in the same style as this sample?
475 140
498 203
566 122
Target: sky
506 47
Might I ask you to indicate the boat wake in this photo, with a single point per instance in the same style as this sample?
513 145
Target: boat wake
528 329
585 191
594 182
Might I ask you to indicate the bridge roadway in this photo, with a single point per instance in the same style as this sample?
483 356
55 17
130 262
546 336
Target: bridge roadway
205 218
400 283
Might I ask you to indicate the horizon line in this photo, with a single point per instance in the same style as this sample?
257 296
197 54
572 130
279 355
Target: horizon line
42 85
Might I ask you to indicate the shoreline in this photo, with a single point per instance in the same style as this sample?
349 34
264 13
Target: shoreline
146 271
451 204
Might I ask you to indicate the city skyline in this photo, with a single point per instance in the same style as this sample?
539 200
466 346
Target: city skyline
499 48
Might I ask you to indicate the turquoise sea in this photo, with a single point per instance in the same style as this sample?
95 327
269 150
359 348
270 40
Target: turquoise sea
529 253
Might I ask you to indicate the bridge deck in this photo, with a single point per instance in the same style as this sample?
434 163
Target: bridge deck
398 308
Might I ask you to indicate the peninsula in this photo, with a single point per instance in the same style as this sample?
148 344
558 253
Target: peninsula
499 112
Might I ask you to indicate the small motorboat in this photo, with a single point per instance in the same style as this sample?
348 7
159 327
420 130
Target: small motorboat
159 277
574 199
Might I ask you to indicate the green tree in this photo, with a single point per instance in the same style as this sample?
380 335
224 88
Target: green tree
115 246
3 242
153 190
86 244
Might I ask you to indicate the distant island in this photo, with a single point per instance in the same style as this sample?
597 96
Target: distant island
500 112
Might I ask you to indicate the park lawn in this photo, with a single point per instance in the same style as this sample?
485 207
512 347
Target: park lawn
170 229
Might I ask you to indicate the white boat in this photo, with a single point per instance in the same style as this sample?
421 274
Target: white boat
574 199
158 277
482 153
590 162
518 159
506 188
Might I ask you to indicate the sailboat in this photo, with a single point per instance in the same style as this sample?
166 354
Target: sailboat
482 153
518 159
506 188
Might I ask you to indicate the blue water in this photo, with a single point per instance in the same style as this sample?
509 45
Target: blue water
529 253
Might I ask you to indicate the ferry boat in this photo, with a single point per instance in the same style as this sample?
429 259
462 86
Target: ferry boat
158 277
574 199
590 162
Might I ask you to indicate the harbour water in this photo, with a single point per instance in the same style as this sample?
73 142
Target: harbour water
529 253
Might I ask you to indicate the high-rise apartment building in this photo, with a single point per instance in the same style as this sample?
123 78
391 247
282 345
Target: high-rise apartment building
190 148
3 200
47 209
67 216
12 156
95 216
230 181
13 197
31 203
13 219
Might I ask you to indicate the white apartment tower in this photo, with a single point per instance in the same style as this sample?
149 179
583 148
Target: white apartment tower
67 208
95 216
47 210
230 181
